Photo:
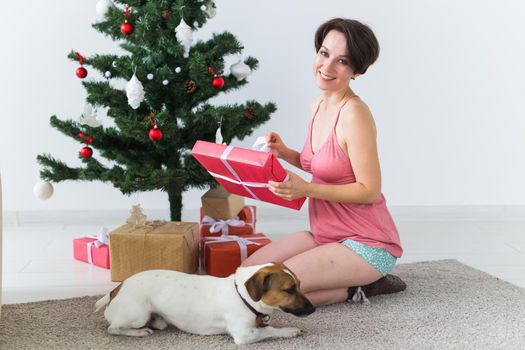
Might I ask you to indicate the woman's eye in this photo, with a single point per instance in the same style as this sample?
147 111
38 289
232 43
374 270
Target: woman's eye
323 53
345 62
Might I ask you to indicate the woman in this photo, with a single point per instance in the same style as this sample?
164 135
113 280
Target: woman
353 240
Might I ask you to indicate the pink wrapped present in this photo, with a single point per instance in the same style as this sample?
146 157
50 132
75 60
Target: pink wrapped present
244 171
93 250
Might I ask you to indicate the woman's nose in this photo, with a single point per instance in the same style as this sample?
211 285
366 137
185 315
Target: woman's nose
329 64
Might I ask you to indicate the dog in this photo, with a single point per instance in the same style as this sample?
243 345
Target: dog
239 305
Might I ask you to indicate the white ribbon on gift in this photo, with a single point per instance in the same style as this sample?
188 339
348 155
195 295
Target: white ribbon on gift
102 238
259 145
241 241
222 225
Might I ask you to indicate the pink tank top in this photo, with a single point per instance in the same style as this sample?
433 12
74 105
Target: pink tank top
369 224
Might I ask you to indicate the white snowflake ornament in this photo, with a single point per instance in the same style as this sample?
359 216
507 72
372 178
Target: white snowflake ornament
210 11
135 92
88 117
184 35
240 70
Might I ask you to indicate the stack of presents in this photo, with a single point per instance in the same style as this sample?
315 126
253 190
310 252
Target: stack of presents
225 235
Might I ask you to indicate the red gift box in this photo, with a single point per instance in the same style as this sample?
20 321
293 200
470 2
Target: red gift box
223 255
228 227
82 247
244 171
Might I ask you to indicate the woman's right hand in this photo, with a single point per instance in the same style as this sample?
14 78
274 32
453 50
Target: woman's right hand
276 144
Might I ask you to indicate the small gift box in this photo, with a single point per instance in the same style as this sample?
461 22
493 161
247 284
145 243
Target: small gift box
243 171
219 204
93 250
223 255
242 224
153 245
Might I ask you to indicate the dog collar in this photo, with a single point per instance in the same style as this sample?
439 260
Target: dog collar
261 319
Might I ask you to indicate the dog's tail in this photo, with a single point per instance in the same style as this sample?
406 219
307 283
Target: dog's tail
101 303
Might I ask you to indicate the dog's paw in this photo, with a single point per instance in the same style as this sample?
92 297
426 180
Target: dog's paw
289 332
131 332
144 332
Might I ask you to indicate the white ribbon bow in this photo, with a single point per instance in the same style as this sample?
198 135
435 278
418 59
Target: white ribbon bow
261 144
102 238
222 225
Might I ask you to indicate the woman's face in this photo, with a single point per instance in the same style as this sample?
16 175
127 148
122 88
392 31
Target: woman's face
332 65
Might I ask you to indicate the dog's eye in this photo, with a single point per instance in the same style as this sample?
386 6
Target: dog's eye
289 290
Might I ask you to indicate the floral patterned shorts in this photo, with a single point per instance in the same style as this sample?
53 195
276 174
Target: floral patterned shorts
379 258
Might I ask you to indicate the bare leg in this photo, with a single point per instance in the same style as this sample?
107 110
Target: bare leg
282 249
327 296
331 266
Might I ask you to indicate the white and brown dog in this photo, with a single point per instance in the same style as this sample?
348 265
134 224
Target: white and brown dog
240 304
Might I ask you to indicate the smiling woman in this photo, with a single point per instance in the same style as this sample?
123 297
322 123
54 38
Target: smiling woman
353 242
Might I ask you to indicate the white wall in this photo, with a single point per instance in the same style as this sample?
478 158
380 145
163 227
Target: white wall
446 93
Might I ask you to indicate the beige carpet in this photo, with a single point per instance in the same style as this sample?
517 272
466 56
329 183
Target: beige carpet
447 305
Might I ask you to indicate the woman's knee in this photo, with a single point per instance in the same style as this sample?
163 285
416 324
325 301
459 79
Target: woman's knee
282 249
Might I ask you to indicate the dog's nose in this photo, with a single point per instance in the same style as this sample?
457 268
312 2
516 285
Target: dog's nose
308 309
305 310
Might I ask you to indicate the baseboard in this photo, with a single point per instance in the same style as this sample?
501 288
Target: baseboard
400 213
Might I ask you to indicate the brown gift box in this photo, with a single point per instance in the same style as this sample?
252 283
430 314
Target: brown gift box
157 245
219 204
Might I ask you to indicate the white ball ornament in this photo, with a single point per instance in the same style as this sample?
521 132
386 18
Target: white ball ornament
165 82
149 76
43 190
203 8
107 74
178 70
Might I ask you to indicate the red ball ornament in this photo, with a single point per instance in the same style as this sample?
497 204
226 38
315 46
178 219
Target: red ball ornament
81 72
155 134
126 28
218 82
86 152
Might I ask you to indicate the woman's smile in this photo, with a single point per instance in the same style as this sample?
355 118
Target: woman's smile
326 77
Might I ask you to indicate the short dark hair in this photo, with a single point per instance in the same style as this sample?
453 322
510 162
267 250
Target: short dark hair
363 47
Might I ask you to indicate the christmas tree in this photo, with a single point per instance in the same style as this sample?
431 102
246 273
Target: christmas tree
164 108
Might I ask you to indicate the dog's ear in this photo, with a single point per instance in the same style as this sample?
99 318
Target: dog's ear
258 284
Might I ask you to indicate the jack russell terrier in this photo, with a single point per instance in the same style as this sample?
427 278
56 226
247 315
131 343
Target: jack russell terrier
240 304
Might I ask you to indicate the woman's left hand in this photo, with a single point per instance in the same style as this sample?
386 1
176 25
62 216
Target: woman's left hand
292 189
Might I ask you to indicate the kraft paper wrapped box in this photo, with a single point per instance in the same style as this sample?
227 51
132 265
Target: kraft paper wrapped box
242 224
220 204
156 245
244 171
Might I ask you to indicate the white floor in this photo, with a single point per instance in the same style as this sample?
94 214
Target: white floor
38 259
